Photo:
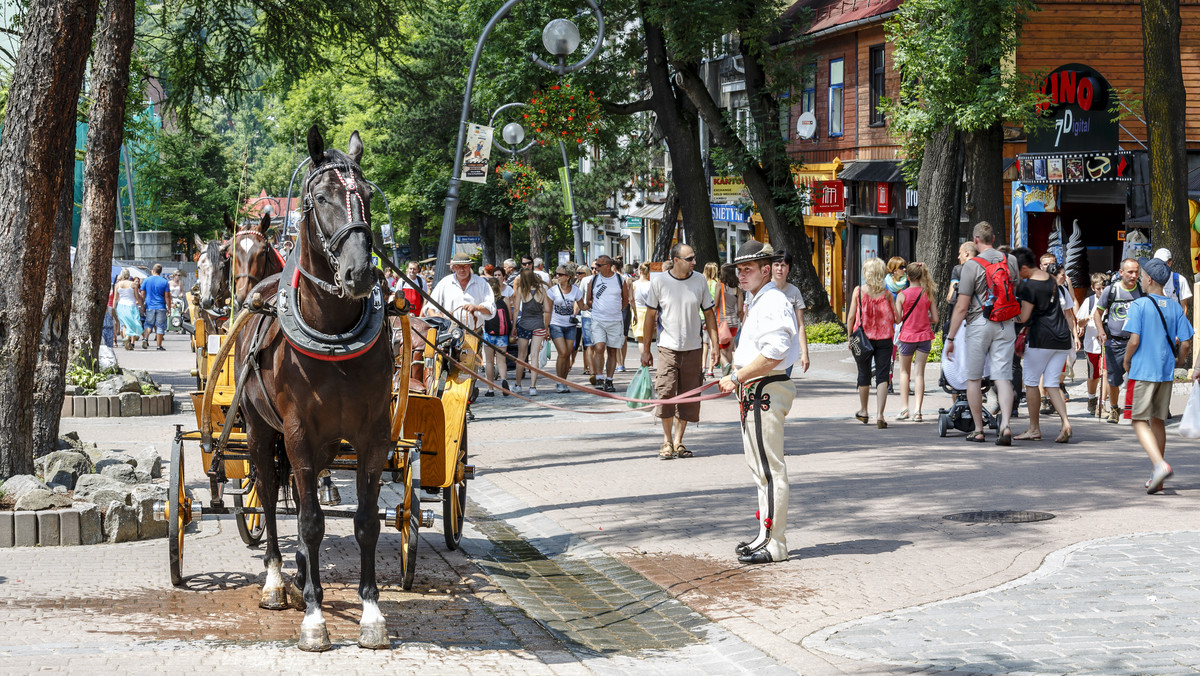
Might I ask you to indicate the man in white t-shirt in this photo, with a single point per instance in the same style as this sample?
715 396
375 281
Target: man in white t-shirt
464 294
605 296
678 298
539 269
1177 287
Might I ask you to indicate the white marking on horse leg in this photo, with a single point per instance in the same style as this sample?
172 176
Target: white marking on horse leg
313 619
274 575
371 613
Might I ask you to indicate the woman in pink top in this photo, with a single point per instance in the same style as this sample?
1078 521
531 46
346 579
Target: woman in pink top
871 306
918 316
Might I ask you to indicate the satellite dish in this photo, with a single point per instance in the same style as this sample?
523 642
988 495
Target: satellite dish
806 126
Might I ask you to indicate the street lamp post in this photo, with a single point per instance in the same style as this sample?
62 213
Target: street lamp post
560 37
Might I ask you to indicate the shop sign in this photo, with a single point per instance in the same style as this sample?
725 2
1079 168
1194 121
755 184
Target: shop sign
883 198
1077 106
467 239
729 188
729 212
634 223
1040 198
827 197
1057 168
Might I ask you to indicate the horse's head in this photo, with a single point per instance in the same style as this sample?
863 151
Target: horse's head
337 205
212 270
254 259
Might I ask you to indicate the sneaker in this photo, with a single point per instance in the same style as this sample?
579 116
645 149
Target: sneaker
608 386
532 391
1092 405
145 344
516 388
489 393
1047 407
1162 472
621 368
160 348
1114 416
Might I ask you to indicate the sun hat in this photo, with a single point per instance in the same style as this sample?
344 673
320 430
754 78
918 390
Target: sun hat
460 259
754 250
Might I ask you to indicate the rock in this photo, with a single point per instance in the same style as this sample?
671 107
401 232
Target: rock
144 496
121 472
91 529
120 522
110 458
16 487
72 390
118 384
39 499
71 439
60 489
1182 375
101 489
63 468
141 477
148 460
142 376
131 404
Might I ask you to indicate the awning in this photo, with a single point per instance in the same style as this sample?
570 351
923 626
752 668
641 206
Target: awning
873 171
653 212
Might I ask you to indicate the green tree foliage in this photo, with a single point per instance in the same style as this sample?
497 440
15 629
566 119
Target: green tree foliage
194 182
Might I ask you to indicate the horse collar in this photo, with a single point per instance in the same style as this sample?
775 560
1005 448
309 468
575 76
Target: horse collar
322 346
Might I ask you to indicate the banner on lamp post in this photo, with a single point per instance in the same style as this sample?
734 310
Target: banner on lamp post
476 159
564 179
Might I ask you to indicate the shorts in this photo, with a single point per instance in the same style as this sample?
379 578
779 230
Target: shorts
609 333
565 332
1114 361
1043 366
882 357
626 320
528 334
992 342
1150 400
1093 359
678 372
499 342
908 349
157 320
585 324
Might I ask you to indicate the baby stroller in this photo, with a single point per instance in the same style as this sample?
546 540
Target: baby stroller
954 381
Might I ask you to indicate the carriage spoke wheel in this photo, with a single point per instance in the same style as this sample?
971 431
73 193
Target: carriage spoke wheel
454 504
250 526
178 512
409 519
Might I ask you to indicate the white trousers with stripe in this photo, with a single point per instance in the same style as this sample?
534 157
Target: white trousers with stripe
764 406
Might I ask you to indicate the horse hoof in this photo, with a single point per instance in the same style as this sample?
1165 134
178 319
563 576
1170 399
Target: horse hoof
273 599
374 636
295 598
314 638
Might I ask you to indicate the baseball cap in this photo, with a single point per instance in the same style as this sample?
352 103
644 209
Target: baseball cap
1163 255
1156 269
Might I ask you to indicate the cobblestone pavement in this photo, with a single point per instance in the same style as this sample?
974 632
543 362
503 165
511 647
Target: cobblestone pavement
1120 605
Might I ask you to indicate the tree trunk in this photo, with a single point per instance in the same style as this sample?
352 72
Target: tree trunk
536 240
937 217
101 170
39 117
984 164
1166 106
487 239
679 125
666 227
504 249
416 230
49 378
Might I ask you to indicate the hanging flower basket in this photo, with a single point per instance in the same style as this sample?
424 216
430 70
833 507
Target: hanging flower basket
520 180
563 113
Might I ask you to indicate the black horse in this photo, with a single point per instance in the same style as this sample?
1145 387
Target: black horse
308 398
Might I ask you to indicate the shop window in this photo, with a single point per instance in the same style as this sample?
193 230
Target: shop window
836 92
876 85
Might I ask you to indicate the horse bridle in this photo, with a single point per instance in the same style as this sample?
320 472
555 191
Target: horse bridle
246 275
352 197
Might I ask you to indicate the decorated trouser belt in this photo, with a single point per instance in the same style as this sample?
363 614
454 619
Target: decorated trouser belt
770 377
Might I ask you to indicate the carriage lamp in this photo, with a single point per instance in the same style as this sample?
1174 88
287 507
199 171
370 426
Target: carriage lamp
560 37
513 133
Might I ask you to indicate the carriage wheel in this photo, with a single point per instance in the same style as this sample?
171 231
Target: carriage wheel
250 526
409 520
177 513
454 504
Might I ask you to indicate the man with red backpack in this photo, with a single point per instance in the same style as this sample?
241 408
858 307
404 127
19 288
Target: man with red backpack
987 300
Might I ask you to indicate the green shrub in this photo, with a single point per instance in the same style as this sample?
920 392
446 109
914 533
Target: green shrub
825 332
935 350
87 378
147 388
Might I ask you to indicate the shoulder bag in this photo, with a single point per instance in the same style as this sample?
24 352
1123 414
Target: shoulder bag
1166 331
860 345
724 335
910 310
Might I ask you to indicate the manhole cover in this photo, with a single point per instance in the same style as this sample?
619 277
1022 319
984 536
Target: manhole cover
1001 516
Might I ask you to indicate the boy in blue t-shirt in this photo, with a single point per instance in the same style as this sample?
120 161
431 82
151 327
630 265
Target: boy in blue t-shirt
1158 329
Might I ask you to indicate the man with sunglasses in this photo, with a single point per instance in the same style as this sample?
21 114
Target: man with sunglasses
606 297
679 298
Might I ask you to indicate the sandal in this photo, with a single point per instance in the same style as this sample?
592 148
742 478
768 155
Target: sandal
1005 438
918 418
681 451
1027 436
862 417
667 452
1064 437
976 436
903 415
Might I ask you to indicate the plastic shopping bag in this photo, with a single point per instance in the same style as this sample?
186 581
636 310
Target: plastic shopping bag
640 387
544 355
1189 427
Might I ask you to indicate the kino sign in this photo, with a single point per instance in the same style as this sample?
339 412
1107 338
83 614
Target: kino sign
1078 99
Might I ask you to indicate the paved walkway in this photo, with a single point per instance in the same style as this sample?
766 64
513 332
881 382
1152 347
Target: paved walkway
584 553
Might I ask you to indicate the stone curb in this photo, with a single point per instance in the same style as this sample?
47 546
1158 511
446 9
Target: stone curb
102 406
54 528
